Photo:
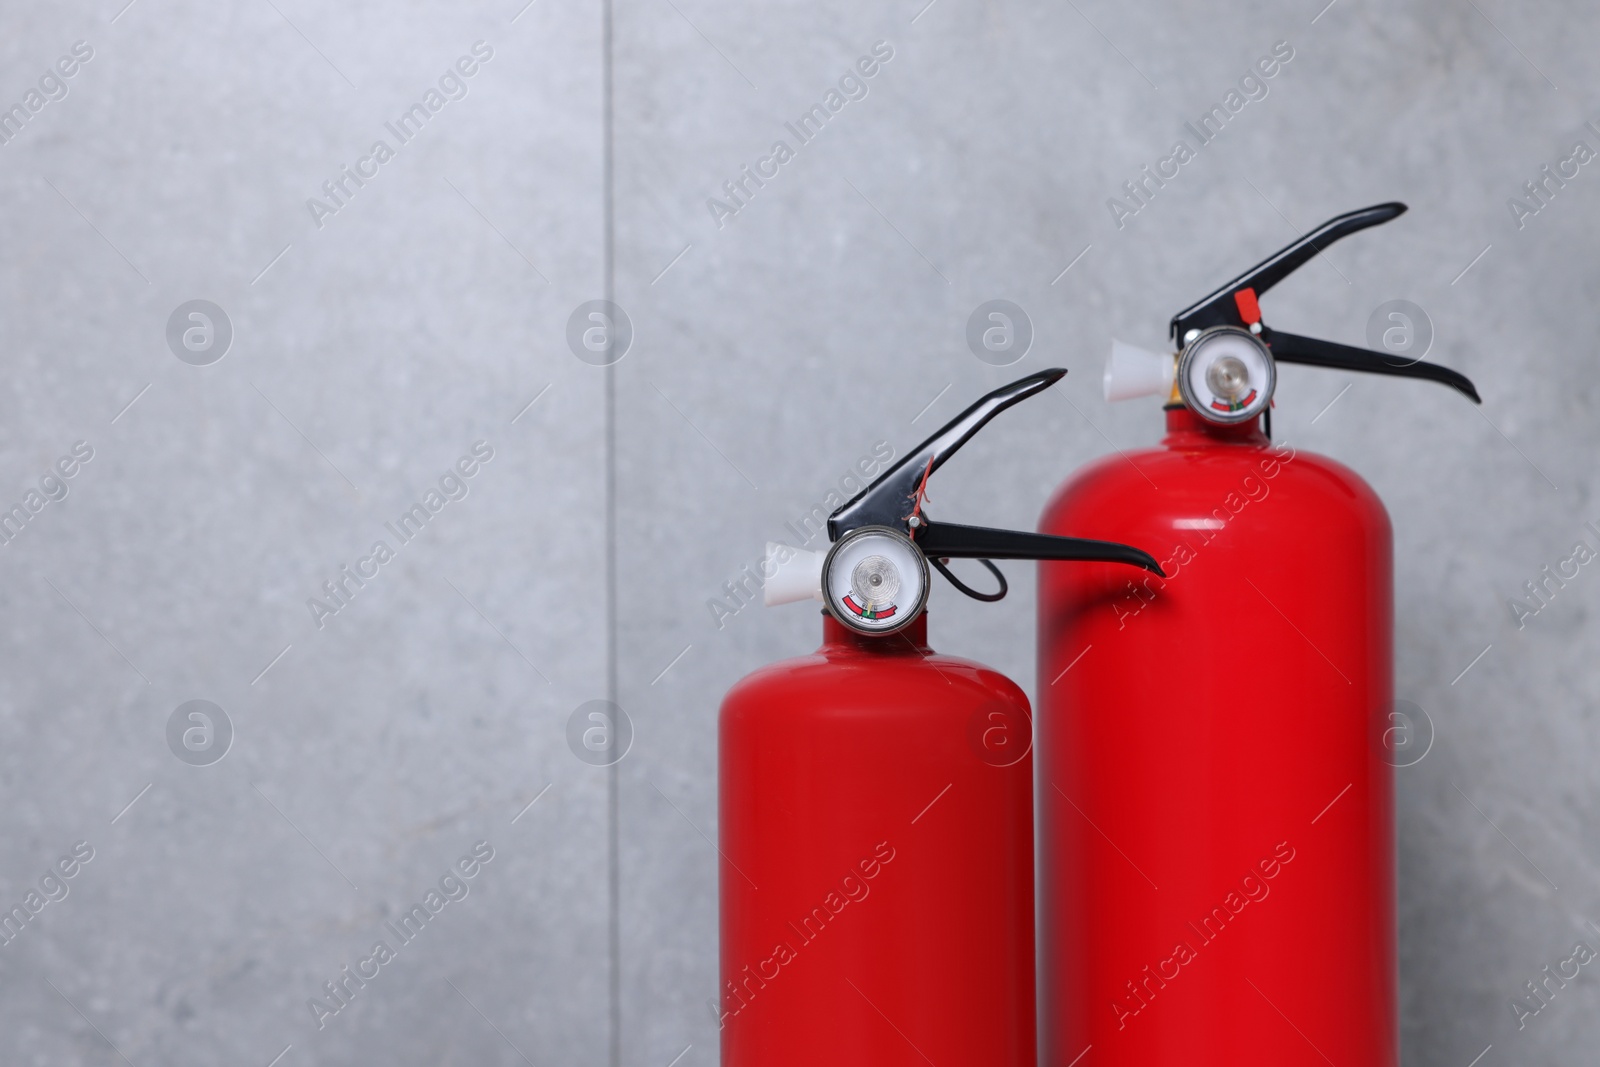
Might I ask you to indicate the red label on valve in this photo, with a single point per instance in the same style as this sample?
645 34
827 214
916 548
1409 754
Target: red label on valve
1249 310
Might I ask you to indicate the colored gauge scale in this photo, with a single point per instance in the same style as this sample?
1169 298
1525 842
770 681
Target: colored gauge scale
1226 375
875 580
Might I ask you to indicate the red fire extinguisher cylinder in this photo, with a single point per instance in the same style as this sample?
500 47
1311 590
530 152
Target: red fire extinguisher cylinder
875 803
1216 801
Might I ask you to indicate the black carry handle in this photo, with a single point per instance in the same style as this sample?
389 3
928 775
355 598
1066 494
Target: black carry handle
1218 309
1226 307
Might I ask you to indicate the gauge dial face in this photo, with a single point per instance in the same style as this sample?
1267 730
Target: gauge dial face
1226 375
875 580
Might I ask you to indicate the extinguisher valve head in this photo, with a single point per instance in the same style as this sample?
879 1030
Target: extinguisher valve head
875 577
1237 306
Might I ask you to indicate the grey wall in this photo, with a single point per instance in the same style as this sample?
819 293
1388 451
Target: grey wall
770 353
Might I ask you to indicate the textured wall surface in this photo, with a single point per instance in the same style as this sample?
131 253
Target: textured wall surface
393 333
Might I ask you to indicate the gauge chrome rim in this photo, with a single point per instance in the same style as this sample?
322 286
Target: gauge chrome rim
875 580
1226 375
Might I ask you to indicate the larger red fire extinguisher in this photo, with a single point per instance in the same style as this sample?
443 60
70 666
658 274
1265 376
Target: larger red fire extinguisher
1217 824
875 802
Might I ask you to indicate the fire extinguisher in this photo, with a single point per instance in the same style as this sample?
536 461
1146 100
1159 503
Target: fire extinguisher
875 801
1217 815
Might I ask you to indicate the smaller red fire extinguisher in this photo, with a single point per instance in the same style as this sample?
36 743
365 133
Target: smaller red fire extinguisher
875 800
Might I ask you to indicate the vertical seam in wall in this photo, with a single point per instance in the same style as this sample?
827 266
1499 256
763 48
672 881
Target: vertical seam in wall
608 253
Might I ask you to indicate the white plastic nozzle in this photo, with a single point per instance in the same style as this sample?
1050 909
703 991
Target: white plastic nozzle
1134 372
795 574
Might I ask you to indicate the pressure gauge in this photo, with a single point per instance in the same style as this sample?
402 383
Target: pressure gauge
875 580
1226 375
